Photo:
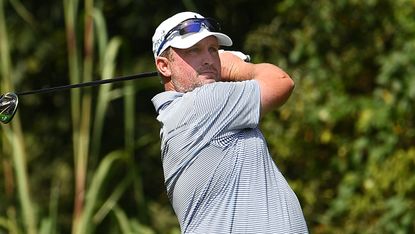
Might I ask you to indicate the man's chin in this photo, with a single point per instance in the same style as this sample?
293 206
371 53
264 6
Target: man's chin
208 81
208 78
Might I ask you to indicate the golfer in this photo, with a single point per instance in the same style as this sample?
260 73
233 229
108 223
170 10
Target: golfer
219 175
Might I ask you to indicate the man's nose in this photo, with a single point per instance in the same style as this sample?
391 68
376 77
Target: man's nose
208 57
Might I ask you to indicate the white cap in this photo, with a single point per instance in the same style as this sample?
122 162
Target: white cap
183 41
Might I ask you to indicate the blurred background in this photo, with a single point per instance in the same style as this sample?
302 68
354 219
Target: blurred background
88 160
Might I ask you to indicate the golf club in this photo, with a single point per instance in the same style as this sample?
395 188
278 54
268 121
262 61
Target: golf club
9 101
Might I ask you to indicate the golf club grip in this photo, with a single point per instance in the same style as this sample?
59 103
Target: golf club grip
89 84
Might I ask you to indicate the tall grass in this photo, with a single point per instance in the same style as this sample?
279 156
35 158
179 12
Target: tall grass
90 206
12 136
84 206
80 105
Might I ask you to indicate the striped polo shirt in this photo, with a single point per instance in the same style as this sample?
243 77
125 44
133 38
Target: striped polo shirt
218 172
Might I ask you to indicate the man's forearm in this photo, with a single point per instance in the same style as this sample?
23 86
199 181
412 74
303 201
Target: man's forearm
275 84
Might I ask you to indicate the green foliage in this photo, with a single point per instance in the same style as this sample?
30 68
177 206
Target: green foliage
344 140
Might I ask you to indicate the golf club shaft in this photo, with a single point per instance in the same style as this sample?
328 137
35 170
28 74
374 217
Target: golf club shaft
89 84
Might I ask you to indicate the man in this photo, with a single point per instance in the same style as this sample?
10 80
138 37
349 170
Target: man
218 172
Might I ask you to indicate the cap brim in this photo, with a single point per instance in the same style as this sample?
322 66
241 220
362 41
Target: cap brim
190 39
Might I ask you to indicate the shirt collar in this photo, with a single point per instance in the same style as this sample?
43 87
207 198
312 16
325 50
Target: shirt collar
161 99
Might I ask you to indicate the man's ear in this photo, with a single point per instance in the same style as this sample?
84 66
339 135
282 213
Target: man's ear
163 66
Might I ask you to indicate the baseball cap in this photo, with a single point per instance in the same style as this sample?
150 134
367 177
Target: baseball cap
164 36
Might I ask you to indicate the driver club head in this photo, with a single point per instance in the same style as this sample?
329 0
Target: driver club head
8 106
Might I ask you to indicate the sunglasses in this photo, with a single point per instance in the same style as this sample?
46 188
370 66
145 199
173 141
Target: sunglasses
191 26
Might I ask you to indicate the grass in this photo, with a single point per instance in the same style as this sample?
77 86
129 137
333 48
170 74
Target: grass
90 205
13 146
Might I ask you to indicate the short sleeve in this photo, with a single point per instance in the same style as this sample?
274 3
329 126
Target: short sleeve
227 106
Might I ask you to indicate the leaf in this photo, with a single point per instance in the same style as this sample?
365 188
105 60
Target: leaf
93 192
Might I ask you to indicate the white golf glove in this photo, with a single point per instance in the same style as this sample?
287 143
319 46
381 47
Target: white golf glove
244 57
